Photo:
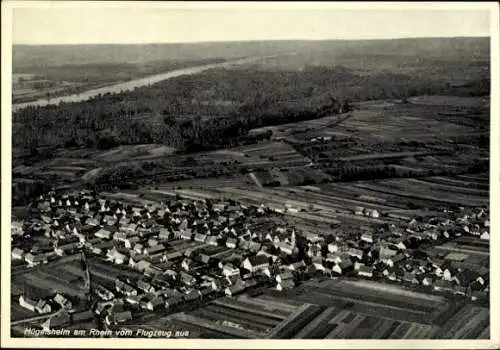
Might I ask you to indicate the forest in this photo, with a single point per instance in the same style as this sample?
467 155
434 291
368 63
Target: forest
215 108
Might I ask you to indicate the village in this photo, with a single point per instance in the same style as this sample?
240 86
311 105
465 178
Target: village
134 261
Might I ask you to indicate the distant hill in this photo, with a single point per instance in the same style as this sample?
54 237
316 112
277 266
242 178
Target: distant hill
25 56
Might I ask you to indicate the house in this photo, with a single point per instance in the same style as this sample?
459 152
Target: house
206 292
187 264
27 303
485 236
286 248
250 283
236 288
145 286
138 248
130 242
212 241
128 227
160 282
152 242
124 220
119 317
244 244
355 253
367 237
254 246
478 295
174 301
460 290
443 285
16 227
67 248
313 237
346 265
400 246
102 247
359 211
394 260
35 259
333 248
63 301
192 295
173 256
154 303
336 270
245 274
102 233
229 269
163 233
117 257
43 307
284 276
285 285
334 258
314 251
256 263
134 299
187 279
297 266
109 220
160 248
199 237
396 273
104 293
449 275
410 277
385 253
365 271
103 307
231 243
218 285
17 254
125 288
453 256
186 234
93 241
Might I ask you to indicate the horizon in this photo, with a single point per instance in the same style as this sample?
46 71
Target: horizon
258 40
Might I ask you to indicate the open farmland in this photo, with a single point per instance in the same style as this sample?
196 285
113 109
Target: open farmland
319 311
449 195
335 203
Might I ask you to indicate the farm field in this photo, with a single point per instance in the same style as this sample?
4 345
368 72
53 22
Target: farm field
336 202
319 311
423 190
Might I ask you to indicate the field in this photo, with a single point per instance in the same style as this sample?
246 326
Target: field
320 310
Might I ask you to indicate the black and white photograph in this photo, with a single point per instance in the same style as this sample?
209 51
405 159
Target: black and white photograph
182 171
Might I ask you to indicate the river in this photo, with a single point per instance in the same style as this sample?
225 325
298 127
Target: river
132 84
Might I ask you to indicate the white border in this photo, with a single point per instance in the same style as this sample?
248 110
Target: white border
7 341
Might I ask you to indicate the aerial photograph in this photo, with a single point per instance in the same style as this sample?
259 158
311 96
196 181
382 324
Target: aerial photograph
196 172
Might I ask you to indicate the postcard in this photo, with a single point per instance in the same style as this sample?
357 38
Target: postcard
250 175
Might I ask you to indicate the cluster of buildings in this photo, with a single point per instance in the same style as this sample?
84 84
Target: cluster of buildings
188 251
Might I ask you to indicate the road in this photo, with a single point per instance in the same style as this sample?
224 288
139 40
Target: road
131 85
36 318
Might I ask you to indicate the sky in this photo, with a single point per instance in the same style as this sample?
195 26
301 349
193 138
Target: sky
77 23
